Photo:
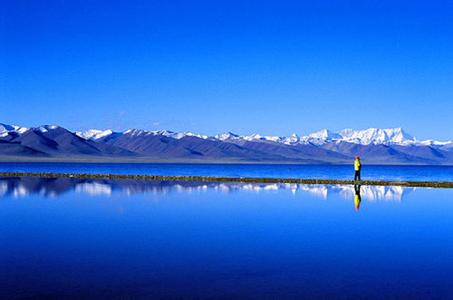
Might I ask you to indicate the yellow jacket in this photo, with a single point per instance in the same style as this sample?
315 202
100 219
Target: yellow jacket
357 165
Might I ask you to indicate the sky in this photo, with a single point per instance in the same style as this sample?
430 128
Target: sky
272 67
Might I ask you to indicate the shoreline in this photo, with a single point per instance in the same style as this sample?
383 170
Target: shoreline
432 184
96 160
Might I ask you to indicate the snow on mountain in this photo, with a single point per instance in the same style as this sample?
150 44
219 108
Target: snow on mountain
321 137
292 139
258 137
276 139
364 137
141 132
21 130
252 137
167 133
46 128
324 134
7 129
135 132
377 136
94 134
434 143
227 136
200 136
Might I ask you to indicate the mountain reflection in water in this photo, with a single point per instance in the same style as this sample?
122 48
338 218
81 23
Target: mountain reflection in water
52 187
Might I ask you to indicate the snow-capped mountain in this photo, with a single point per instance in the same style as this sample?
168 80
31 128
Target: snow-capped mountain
259 137
369 136
94 134
324 134
321 137
47 128
386 146
292 139
377 136
167 133
7 129
227 136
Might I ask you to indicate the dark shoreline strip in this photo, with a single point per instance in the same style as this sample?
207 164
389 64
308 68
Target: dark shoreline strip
434 184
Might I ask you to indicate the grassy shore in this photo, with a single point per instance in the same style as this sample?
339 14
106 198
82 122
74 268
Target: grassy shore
433 184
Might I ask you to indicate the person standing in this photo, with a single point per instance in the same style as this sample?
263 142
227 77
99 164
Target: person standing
357 168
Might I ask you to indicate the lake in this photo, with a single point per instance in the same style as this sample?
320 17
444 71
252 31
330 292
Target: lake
123 239
413 173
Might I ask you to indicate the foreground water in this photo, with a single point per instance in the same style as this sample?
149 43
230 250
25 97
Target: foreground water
77 238
369 172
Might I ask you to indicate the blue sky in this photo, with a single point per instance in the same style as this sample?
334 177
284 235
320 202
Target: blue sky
246 66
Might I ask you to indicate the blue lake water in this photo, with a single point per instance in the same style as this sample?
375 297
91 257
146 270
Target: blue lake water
124 239
420 173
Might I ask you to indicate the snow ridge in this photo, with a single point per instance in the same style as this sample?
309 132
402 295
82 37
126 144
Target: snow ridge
5 129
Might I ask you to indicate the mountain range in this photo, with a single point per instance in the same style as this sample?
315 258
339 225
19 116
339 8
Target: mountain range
374 145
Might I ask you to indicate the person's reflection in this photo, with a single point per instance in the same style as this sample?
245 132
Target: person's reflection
357 197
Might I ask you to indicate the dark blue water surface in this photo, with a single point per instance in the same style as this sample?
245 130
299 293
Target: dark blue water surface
123 239
418 173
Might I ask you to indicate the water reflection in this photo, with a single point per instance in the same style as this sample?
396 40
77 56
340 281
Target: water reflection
52 187
357 197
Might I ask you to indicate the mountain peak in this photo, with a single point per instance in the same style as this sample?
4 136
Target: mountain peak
94 134
322 136
398 135
226 136
46 128
376 136
5 127
292 139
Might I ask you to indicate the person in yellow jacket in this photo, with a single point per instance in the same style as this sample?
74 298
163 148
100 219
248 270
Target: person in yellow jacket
357 168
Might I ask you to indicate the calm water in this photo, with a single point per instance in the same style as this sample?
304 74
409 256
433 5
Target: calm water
420 173
72 238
